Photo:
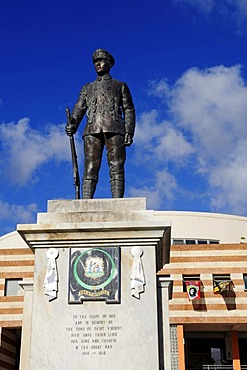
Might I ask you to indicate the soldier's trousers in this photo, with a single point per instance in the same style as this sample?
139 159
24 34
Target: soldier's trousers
93 150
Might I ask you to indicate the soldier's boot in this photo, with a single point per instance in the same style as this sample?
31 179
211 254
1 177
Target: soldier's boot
117 188
88 189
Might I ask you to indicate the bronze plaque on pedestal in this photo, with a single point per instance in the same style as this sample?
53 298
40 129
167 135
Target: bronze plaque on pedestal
94 274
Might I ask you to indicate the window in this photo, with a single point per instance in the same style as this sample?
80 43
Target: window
222 283
194 241
178 241
201 241
12 287
245 281
187 278
221 277
190 241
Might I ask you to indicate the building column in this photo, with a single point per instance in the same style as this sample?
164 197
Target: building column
27 285
165 284
235 351
180 331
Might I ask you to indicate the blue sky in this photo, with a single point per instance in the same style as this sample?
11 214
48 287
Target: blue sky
185 62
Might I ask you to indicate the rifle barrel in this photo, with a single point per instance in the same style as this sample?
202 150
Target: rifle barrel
74 159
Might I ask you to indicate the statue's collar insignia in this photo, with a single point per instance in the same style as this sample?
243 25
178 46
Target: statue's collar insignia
104 78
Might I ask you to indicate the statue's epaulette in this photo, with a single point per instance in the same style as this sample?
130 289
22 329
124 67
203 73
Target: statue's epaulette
85 85
88 86
117 81
117 85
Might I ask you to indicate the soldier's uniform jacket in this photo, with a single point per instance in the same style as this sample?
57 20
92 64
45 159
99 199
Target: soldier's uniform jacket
109 107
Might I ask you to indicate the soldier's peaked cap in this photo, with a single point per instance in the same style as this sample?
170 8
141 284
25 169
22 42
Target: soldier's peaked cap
102 53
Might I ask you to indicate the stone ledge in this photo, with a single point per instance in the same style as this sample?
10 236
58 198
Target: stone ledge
95 216
96 205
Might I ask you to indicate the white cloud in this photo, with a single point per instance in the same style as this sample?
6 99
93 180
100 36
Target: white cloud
204 6
208 125
26 149
159 88
147 128
172 145
227 10
241 6
158 143
17 213
212 105
237 7
163 187
156 140
229 180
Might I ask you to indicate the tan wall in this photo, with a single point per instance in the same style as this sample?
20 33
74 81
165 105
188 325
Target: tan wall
203 225
207 260
16 262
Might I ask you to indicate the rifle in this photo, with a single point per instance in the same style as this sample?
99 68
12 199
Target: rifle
74 158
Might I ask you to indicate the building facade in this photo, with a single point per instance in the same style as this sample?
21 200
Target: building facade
207 332
16 264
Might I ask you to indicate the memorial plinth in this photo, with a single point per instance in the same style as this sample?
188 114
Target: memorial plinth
98 259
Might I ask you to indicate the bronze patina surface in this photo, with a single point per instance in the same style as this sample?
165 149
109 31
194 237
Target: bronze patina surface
110 122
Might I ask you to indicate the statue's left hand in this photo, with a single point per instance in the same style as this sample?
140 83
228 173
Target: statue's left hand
128 139
70 130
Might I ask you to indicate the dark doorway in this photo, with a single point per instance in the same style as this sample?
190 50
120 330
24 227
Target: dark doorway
204 351
10 345
242 343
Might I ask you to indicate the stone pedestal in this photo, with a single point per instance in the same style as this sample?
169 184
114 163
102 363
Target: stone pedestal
96 334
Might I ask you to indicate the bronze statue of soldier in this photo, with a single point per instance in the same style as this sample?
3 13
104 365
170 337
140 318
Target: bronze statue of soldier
110 123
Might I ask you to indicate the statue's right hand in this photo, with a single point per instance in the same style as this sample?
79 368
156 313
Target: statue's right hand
70 130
